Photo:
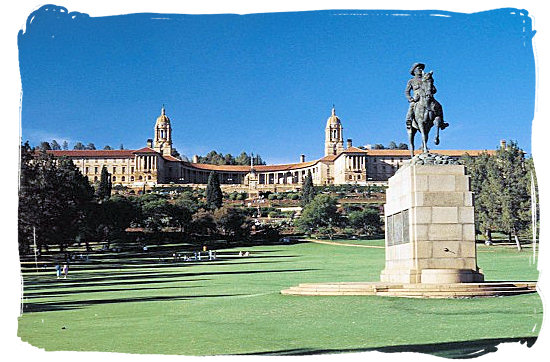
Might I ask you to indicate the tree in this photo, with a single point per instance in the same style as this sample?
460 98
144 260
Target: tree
214 195
514 196
392 145
366 221
107 147
501 187
175 153
184 208
44 146
55 145
228 159
242 159
90 146
231 222
203 223
308 190
320 215
54 198
79 146
65 145
403 146
157 213
108 220
378 146
105 186
121 147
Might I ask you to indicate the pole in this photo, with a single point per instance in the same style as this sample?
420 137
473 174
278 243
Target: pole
35 249
534 214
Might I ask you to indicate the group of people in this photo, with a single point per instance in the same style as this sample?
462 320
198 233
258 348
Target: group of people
197 256
244 254
62 270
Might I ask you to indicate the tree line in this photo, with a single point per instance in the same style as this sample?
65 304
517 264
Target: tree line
55 146
502 190
215 158
322 215
59 207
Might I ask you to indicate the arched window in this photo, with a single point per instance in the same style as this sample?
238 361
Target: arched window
131 178
149 177
95 178
114 178
123 178
140 178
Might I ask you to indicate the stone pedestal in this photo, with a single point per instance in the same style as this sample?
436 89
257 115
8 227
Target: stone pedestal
430 234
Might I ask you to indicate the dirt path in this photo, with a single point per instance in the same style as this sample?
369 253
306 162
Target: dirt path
343 244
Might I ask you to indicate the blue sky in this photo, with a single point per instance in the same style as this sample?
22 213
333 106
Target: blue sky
265 83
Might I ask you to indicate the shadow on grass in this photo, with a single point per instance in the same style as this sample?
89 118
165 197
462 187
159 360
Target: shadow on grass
154 263
144 279
455 350
68 305
40 294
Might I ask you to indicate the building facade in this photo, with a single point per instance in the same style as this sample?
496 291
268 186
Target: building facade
155 164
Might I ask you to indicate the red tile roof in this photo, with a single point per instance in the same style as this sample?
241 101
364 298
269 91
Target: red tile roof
93 153
170 158
328 158
401 153
259 168
145 150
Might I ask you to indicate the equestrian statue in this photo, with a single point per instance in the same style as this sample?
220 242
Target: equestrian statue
424 110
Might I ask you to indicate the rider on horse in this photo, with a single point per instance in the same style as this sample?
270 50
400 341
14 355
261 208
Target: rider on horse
422 106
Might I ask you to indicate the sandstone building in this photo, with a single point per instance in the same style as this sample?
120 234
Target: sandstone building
155 165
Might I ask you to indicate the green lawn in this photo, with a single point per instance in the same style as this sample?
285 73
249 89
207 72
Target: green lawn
135 304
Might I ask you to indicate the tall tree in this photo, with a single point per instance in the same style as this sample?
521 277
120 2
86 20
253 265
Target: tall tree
90 146
392 145
308 190
242 159
214 195
104 188
79 146
107 147
483 180
121 146
514 196
45 146
65 145
501 187
54 199
55 145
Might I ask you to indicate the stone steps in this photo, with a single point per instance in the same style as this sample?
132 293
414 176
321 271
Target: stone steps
458 290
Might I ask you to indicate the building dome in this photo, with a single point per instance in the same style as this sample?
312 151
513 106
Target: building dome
162 120
333 119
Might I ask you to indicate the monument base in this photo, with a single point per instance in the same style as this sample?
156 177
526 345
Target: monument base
403 275
417 290
441 276
430 233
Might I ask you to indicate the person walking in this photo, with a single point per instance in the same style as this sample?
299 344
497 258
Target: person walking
65 270
58 270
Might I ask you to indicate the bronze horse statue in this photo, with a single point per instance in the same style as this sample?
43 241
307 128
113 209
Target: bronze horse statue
427 113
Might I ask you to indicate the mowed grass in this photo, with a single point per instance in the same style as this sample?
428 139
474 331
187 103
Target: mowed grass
135 304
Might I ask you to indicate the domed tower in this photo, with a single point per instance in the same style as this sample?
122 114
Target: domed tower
334 135
163 134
